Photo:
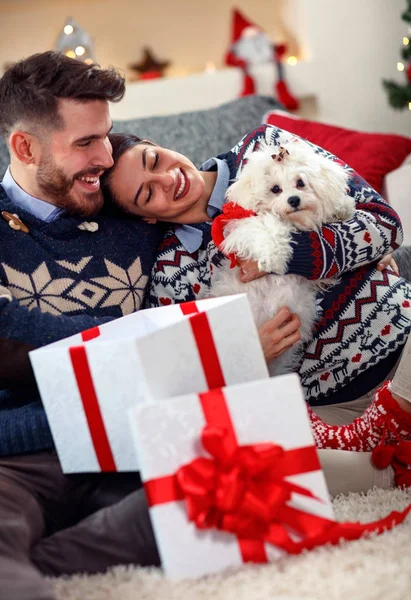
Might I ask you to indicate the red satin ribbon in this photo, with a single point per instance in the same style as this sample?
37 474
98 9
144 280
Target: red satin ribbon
189 308
90 334
91 406
242 490
209 359
230 212
206 347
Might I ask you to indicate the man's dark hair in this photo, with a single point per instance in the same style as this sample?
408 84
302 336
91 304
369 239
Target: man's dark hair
31 88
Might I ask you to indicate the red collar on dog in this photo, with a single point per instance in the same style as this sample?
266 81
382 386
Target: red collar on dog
230 212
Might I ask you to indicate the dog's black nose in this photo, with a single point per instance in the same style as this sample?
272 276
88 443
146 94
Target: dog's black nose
294 201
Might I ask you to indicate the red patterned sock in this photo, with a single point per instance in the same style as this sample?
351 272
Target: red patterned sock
384 425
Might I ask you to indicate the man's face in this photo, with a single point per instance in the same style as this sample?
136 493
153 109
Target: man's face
156 183
73 158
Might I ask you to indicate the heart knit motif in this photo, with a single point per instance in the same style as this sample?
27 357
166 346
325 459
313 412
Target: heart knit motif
196 288
165 301
325 376
386 330
356 358
406 304
367 237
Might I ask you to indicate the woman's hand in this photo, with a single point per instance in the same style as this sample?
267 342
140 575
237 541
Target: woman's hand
249 270
279 333
387 262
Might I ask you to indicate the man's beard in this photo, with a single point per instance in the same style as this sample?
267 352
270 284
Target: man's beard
57 188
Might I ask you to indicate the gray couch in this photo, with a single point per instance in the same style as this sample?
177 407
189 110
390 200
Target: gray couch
197 135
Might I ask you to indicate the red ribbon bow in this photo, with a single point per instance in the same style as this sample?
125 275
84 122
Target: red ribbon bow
230 212
240 490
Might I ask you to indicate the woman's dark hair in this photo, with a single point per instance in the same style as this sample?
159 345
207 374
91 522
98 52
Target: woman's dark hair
30 89
120 143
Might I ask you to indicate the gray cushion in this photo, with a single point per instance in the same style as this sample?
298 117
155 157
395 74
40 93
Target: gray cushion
201 134
197 135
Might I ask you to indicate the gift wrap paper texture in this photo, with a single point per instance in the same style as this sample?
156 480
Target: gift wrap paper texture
167 436
139 358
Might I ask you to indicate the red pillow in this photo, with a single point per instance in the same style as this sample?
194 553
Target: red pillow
372 155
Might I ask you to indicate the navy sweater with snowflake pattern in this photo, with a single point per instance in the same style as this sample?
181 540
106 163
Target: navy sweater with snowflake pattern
63 280
364 319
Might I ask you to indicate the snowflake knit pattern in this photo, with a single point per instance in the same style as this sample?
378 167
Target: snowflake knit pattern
63 280
364 319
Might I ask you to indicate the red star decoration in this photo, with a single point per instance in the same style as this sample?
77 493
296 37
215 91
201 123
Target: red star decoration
149 67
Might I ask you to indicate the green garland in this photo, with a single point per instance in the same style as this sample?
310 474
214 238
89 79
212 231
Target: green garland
399 96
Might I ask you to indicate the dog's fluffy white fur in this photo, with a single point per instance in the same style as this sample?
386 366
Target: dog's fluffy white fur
290 188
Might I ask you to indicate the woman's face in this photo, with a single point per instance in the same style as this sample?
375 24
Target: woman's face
156 183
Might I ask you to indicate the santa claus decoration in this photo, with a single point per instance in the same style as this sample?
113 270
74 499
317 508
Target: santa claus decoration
252 46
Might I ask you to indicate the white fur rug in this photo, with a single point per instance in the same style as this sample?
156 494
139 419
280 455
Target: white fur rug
375 568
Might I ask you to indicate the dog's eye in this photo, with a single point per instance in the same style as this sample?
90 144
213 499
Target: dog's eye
300 183
276 189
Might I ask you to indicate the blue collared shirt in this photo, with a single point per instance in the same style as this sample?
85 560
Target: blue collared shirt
189 235
39 208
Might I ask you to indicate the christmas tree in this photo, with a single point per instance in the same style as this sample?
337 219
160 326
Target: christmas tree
74 42
399 96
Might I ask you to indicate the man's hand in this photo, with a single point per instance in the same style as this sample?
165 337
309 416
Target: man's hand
249 270
279 333
388 263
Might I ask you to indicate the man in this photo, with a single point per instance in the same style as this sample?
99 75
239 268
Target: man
63 268
60 274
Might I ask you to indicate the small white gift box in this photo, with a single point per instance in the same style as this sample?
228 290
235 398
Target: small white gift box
231 475
89 381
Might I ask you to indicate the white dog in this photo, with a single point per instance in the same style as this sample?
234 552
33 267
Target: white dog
292 189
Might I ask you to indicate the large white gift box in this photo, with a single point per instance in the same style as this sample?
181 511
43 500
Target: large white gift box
231 475
89 381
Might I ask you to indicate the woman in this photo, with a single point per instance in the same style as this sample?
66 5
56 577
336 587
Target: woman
357 342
